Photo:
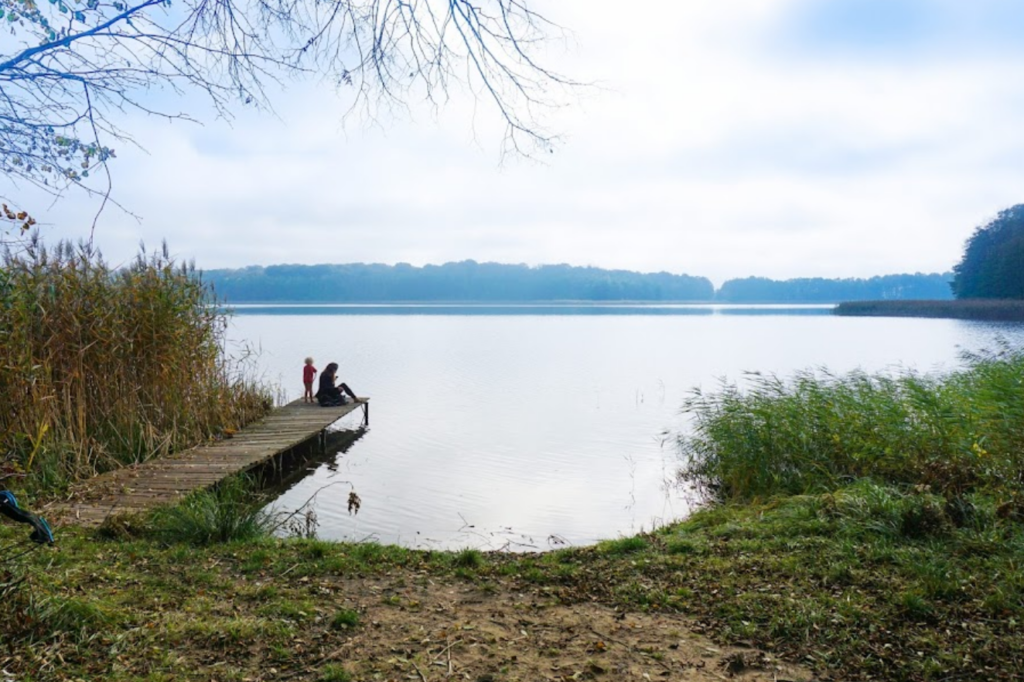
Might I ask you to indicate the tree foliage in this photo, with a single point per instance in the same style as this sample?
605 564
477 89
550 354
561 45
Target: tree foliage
993 262
69 69
821 290
464 281
472 281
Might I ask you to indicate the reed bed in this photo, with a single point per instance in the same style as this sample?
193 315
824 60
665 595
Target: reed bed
953 435
102 367
999 310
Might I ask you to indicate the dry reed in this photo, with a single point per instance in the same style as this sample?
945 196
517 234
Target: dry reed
102 367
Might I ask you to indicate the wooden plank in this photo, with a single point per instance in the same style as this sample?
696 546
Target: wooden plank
165 480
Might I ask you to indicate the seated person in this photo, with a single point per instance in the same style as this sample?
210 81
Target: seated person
328 394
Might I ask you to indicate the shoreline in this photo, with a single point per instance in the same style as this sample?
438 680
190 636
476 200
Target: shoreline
774 590
988 310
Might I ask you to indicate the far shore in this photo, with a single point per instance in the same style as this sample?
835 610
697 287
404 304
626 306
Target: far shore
993 310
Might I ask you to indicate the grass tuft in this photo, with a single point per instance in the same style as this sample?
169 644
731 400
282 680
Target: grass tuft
623 546
229 512
468 558
332 672
346 618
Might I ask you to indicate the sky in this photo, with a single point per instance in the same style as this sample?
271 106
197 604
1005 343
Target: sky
775 138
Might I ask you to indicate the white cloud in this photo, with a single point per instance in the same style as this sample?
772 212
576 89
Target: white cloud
722 142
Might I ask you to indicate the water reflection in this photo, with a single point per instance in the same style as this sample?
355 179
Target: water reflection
514 431
305 460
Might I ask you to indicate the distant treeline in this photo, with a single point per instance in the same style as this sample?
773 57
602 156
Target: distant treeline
492 282
818 290
464 281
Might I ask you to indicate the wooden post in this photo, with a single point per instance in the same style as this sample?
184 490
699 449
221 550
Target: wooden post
366 413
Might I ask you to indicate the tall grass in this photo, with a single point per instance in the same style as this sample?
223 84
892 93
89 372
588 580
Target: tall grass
955 434
101 367
230 511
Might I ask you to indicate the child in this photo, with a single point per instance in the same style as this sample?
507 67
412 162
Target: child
308 372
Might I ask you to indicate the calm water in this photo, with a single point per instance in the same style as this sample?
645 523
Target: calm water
532 426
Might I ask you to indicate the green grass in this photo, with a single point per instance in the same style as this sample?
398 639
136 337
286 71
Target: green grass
229 512
332 672
956 434
623 546
345 618
468 558
837 577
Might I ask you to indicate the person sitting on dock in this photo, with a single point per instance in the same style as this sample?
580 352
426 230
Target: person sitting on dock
330 395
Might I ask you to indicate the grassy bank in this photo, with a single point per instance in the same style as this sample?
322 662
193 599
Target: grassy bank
837 583
966 309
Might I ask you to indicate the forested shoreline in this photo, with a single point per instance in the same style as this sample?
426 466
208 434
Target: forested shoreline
469 281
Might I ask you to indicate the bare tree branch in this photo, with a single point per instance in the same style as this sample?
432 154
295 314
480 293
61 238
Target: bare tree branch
71 68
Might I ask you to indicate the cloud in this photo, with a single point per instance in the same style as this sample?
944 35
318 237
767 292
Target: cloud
758 137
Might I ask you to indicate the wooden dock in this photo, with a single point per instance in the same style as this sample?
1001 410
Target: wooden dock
163 481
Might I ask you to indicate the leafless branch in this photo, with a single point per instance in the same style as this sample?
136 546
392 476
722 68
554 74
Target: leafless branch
71 68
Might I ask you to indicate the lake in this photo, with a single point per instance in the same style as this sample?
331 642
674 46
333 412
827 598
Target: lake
534 427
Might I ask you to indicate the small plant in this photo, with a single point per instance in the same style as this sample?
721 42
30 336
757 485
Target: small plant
304 525
468 558
332 672
346 618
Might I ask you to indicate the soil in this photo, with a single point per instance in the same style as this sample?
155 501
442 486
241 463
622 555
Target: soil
439 631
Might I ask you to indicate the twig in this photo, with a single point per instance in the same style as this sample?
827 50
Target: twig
448 650
418 671
312 497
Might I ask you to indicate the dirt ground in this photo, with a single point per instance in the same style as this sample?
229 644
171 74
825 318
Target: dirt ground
457 631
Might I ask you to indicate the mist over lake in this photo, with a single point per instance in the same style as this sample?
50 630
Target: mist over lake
526 428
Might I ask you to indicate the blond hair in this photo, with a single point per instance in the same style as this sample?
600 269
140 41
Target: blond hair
309 361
